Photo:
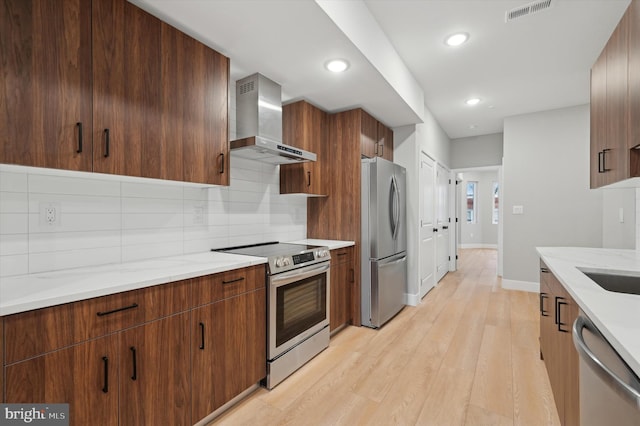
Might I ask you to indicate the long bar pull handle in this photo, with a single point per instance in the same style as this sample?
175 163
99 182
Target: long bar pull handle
544 270
134 376
600 155
201 336
542 310
221 156
604 159
308 178
353 275
79 125
105 388
232 281
107 143
560 323
125 308
557 298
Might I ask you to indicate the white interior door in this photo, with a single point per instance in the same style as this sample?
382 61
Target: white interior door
442 222
427 224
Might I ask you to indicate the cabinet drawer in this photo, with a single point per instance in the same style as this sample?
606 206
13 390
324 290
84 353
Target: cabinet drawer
215 287
342 255
29 334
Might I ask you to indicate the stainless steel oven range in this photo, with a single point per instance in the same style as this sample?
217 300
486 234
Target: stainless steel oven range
297 304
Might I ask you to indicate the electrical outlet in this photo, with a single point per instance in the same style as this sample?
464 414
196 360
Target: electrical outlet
50 214
199 213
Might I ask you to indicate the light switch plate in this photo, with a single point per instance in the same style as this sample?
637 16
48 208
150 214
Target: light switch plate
518 209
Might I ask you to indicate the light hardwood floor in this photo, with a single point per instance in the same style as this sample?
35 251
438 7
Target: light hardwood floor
467 355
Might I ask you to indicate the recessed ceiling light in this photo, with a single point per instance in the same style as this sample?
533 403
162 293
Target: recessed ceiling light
472 101
337 65
456 39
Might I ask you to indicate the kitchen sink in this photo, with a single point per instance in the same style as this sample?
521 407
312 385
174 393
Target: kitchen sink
623 282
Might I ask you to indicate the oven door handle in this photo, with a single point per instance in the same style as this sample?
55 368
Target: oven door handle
290 277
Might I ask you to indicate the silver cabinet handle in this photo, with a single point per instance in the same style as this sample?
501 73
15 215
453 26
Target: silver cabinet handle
609 377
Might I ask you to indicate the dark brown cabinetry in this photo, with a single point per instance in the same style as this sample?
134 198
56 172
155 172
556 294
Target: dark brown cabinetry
45 98
342 277
376 139
558 311
614 105
305 126
228 337
338 215
142 357
111 88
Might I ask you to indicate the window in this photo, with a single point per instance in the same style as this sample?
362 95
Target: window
496 203
472 209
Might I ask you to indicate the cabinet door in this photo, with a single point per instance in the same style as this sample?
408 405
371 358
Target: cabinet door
341 276
385 142
598 132
616 160
228 350
368 135
154 373
304 126
85 376
634 86
46 84
196 79
546 317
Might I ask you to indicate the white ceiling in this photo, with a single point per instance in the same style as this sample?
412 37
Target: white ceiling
537 62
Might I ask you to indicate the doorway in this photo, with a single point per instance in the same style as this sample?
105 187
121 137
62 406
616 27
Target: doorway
479 210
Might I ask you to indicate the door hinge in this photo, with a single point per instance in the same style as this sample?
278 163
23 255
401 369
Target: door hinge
456 257
449 181
449 220
449 258
456 220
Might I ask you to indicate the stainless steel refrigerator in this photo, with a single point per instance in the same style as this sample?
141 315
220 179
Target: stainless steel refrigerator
384 240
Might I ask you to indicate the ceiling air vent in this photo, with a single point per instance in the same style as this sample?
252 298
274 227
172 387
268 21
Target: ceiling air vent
527 9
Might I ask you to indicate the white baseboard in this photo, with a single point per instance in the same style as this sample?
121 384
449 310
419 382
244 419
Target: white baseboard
529 286
478 246
411 299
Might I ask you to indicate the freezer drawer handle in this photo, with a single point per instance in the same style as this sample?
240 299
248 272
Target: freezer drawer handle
623 389
542 310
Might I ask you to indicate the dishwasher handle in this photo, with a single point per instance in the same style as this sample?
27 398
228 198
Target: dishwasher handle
605 373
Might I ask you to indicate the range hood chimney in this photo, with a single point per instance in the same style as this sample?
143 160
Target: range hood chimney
259 124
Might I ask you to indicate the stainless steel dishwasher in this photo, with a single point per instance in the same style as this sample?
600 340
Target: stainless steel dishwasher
609 389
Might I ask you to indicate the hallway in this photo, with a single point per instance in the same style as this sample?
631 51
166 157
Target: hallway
467 355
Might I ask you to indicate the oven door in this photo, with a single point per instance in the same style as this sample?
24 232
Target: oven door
298 306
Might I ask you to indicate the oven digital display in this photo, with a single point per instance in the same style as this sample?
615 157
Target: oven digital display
302 258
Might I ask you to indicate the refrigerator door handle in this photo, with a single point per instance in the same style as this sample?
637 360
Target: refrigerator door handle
397 207
394 207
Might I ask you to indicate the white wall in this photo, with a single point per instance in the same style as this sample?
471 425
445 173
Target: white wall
408 142
546 170
477 151
617 231
483 233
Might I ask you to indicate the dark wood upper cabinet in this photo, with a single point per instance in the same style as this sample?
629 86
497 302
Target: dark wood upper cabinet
385 142
615 104
368 135
376 139
151 101
305 126
46 86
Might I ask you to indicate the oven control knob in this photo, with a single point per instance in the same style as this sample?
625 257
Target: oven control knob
322 253
281 262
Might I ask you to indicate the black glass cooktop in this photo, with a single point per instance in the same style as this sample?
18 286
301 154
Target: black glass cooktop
268 249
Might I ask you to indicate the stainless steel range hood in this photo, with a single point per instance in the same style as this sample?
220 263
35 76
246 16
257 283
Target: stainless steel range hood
259 124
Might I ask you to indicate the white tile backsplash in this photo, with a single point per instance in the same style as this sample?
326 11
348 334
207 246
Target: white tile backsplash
108 219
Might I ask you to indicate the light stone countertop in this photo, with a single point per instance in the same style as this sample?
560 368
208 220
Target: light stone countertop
616 315
27 292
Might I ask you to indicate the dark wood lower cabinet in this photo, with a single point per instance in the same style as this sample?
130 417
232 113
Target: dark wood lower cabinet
228 350
558 311
163 360
85 376
341 282
154 377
